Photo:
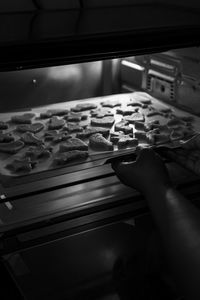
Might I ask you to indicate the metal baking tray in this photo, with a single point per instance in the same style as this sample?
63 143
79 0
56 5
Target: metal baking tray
45 176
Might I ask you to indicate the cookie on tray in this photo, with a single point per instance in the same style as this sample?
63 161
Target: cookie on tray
3 125
115 136
73 128
12 147
30 138
56 123
123 125
92 130
56 136
153 113
135 117
101 113
134 103
34 128
23 119
98 142
21 164
103 122
66 157
111 103
53 112
6 137
127 111
37 152
150 125
76 117
127 141
83 107
73 144
140 126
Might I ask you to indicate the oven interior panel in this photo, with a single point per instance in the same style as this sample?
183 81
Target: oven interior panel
45 86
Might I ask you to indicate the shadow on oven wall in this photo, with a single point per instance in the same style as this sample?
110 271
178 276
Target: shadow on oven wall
35 87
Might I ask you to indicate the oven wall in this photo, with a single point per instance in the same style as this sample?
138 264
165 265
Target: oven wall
30 88
179 86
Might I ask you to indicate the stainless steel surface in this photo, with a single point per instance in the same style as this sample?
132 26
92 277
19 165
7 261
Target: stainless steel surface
62 201
50 37
92 196
44 86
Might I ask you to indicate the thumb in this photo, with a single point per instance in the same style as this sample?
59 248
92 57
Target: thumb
121 167
116 165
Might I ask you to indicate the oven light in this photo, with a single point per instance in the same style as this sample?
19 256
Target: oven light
132 65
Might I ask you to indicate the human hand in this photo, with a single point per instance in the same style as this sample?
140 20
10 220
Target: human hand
189 154
148 173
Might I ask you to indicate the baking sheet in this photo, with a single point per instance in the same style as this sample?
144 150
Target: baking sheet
46 164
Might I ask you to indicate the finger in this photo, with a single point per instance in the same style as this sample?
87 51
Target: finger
120 172
119 167
114 164
192 143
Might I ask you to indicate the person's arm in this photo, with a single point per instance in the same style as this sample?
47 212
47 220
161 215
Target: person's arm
177 219
179 223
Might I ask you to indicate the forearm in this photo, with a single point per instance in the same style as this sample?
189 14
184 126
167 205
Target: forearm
179 223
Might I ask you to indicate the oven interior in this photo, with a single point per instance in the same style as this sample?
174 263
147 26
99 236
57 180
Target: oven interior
76 232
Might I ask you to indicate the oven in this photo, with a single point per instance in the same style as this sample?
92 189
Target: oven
71 71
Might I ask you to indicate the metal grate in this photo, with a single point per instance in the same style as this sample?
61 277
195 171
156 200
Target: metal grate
172 85
172 93
149 82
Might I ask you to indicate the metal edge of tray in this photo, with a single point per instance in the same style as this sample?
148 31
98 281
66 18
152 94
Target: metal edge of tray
99 167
